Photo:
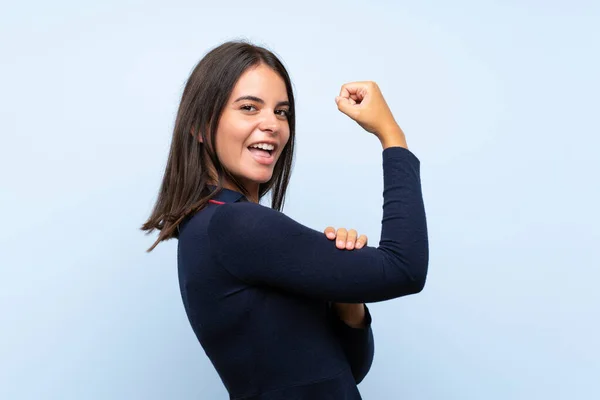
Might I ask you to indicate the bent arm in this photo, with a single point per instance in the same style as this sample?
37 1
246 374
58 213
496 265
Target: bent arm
262 246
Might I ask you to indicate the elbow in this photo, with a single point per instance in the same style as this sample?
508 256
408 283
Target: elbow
419 275
422 266
412 280
363 367
419 285
410 273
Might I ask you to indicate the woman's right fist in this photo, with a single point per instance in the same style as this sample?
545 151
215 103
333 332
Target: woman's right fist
364 103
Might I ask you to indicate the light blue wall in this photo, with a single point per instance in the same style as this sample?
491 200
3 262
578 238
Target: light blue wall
499 100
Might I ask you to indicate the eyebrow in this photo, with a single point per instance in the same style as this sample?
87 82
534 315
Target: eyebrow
261 101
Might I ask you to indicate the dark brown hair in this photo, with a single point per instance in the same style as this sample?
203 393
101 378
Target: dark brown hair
184 189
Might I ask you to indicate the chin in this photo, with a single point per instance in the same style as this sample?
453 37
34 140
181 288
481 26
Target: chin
262 178
258 178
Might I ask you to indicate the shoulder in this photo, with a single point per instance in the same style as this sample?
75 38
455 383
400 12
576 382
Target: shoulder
248 224
242 214
214 216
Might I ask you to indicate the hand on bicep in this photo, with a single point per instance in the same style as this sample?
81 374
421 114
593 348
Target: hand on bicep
346 239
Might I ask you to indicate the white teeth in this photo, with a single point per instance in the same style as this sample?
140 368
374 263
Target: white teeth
264 146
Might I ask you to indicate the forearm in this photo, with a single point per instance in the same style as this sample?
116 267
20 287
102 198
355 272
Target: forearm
351 314
393 137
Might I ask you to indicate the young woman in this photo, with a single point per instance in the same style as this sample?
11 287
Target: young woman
279 309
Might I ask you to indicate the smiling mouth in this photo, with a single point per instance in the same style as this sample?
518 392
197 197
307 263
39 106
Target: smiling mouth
261 152
264 157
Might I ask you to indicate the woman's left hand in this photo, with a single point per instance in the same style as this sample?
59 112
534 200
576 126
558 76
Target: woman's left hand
351 313
345 239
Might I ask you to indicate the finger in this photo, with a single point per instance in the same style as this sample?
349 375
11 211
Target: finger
356 90
352 96
351 239
341 238
329 232
347 106
352 88
361 241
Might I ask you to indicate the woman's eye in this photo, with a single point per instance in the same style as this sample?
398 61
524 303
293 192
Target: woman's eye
247 107
250 107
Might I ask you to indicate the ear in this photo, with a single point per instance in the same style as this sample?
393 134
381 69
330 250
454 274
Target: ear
199 136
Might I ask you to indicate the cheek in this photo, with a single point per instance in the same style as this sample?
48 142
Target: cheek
223 146
237 131
231 137
285 137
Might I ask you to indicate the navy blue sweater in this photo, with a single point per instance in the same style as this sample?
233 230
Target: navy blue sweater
257 288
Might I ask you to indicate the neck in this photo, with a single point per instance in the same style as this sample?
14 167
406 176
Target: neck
253 189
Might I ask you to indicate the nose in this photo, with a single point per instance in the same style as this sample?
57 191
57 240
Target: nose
270 123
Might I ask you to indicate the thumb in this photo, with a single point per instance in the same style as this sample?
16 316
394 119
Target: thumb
345 106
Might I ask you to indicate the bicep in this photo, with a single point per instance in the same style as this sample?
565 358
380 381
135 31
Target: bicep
265 247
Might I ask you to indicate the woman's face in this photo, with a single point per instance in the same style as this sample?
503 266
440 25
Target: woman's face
255 114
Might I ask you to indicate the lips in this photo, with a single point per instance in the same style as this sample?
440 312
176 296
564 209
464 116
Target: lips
263 157
271 142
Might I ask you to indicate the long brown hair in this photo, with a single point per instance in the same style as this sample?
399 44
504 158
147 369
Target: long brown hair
184 189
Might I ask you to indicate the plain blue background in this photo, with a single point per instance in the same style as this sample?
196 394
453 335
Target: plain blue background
499 100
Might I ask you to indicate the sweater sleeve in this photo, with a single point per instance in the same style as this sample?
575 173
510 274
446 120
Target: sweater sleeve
357 343
262 246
